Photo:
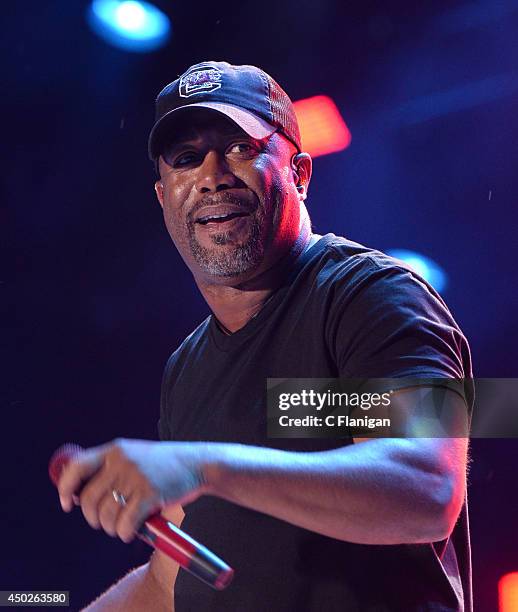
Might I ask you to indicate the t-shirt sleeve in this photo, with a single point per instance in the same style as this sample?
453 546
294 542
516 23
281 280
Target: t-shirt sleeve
387 322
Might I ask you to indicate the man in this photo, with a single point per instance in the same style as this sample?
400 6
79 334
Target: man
308 524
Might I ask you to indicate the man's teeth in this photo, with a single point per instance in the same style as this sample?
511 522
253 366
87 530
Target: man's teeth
215 217
205 220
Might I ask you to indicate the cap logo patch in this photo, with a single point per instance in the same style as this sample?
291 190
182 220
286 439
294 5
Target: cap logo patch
199 81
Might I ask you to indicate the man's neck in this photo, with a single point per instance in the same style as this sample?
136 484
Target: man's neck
234 306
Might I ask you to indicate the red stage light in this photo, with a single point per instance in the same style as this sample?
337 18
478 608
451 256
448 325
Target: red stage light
322 128
508 593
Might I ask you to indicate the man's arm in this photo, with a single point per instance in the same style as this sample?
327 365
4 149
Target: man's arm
148 587
384 491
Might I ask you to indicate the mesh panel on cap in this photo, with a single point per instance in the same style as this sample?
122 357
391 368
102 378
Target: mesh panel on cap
283 113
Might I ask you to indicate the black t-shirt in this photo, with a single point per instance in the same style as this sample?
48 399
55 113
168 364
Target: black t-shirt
345 311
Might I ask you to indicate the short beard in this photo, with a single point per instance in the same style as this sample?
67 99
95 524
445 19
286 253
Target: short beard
236 261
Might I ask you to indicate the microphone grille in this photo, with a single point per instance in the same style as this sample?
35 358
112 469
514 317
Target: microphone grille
60 458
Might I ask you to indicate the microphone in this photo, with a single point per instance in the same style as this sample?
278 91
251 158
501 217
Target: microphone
162 534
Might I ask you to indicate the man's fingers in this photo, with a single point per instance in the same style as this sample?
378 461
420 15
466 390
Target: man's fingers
77 470
131 518
109 510
93 494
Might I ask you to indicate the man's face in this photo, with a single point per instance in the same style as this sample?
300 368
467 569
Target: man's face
230 202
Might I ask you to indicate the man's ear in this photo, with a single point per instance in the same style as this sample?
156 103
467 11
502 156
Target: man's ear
302 167
159 190
159 186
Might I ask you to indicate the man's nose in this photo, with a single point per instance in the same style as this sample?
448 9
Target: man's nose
214 174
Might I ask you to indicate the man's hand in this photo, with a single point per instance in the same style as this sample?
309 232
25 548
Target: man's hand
150 476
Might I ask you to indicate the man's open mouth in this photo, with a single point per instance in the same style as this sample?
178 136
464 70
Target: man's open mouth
220 218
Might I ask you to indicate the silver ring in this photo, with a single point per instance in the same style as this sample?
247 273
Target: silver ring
119 497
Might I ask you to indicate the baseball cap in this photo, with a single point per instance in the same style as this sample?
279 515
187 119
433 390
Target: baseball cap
245 94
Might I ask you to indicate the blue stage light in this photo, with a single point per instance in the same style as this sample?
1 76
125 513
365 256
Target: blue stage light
424 266
129 25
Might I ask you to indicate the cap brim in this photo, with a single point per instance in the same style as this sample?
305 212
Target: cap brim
253 125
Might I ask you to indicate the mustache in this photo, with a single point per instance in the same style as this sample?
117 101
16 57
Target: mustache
224 197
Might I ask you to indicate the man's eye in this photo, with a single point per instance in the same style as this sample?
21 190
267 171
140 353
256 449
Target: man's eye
241 147
183 159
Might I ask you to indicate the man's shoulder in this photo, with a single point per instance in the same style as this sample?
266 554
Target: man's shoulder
354 273
342 259
346 251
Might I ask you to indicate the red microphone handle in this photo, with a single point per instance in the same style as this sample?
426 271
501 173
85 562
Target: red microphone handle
190 554
163 535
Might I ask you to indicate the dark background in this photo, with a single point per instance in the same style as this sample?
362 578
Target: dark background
95 296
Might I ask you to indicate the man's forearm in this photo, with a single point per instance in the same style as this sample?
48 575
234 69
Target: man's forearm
381 492
138 591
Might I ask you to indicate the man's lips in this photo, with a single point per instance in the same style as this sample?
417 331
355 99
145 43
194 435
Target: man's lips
219 214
